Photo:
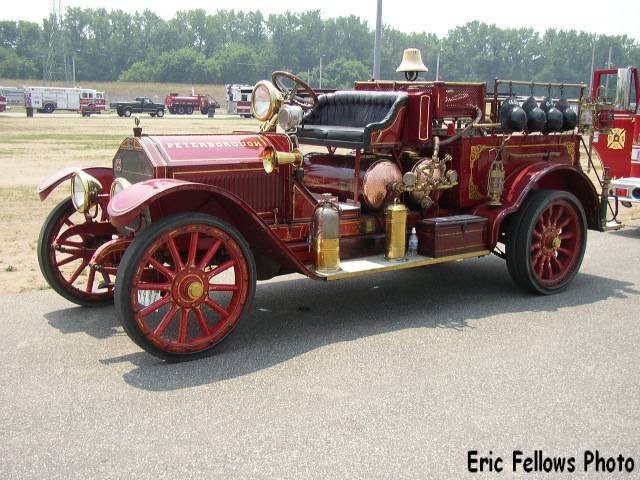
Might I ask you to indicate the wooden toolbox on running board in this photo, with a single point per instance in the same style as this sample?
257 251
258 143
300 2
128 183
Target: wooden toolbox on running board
445 236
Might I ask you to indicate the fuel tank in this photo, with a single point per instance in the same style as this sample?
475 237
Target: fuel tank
335 174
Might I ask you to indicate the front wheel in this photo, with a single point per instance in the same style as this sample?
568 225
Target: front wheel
160 113
546 242
127 112
67 242
183 285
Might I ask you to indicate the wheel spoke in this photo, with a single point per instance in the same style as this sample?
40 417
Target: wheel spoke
68 260
210 254
78 271
220 287
193 249
565 251
174 253
221 268
202 321
154 306
163 287
184 325
90 280
166 320
161 268
565 222
216 307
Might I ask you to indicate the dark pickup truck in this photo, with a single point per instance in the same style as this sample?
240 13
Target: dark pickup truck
140 105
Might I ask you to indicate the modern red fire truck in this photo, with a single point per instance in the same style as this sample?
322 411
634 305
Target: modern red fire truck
186 104
617 142
3 104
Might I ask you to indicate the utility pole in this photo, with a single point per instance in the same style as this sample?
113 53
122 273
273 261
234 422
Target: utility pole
438 66
609 65
321 71
377 43
73 69
593 62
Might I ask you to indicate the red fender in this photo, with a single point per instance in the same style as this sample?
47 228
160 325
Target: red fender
537 176
173 196
103 174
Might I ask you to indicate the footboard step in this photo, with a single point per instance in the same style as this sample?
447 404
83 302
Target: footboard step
359 267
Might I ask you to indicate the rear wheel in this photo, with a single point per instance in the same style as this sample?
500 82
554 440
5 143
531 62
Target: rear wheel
546 242
160 113
127 112
49 108
188 110
183 285
180 110
67 242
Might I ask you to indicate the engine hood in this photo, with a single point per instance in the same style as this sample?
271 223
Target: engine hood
184 153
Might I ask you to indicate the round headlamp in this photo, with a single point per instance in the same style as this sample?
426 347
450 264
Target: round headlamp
265 100
84 190
119 184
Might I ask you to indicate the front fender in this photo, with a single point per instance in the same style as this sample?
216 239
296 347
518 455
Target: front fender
534 177
130 203
103 174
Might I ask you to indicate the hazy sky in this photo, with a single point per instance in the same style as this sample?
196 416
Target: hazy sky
619 17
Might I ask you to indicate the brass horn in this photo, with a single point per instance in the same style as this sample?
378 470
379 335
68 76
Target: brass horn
271 158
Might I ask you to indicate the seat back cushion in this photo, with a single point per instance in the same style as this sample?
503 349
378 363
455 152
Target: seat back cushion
352 109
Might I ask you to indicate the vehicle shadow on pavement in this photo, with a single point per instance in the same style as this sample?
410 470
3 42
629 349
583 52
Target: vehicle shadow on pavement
99 322
627 232
290 318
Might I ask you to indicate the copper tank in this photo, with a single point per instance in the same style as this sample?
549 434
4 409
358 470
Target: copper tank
335 174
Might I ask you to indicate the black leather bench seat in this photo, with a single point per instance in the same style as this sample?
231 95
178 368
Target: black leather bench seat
347 119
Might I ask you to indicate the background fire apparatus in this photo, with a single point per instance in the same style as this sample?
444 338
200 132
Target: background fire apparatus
3 103
399 175
50 99
617 141
239 100
186 104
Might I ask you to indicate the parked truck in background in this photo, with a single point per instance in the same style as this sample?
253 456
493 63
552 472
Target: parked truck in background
92 102
239 100
139 105
3 103
186 104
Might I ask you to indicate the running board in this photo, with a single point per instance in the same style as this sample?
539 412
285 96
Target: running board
359 267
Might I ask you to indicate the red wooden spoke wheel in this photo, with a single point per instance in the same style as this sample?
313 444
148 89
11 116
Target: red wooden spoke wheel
67 242
546 241
183 285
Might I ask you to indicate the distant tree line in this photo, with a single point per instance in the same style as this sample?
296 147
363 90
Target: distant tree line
242 47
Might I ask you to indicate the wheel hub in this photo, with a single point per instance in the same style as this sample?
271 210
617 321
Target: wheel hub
551 241
190 287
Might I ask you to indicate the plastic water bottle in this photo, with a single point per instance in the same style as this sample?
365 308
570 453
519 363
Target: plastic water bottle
413 243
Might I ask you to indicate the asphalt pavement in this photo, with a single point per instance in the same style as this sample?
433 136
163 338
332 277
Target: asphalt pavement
393 376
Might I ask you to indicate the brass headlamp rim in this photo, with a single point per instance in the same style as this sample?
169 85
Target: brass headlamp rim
91 188
275 100
120 181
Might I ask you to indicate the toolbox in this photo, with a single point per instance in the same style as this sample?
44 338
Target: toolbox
446 236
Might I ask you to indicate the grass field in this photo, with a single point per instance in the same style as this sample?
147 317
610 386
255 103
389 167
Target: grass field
130 90
33 148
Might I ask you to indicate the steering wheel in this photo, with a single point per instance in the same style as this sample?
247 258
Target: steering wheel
291 93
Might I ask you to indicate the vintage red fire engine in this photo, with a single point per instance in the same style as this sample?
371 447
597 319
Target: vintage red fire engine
182 226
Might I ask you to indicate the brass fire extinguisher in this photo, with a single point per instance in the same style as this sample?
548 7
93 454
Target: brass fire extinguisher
396 230
326 235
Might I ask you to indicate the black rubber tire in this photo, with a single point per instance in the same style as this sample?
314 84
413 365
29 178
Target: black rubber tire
188 110
44 250
152 114
160 113
129 263
519 236
180 110
126 112
49 108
